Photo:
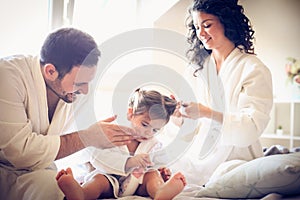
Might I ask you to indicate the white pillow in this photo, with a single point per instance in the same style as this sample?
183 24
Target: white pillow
225 168
257 178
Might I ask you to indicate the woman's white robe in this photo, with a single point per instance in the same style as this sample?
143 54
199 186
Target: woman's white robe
242 91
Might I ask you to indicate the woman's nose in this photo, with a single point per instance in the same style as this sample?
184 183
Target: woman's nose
201 32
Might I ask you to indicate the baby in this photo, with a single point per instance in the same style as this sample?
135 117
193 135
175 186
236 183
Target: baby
148 112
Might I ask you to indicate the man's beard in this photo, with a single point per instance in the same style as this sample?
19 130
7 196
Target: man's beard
65 98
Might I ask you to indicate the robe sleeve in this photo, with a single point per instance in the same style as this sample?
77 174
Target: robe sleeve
112 160
19 144
244 124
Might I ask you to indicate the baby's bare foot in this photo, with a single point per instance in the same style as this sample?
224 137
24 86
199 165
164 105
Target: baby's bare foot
171 188
68 185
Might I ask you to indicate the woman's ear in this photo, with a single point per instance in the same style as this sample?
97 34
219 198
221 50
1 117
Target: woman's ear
129 113
50 72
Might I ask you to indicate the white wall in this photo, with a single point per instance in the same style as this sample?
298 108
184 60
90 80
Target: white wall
24 25
276 23
277 27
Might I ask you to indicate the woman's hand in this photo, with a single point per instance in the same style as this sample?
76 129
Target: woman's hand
196 110
177 117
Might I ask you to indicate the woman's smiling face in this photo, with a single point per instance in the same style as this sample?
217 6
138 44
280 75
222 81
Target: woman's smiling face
209 30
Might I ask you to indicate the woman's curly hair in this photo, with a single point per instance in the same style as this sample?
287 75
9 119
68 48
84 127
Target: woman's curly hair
236 25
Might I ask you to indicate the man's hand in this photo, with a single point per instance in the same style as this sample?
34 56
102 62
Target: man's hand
116 134
101 135
104 134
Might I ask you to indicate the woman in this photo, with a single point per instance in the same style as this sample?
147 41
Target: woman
234 87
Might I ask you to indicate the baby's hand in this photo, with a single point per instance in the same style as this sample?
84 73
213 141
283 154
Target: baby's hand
138 161
138 172
165 173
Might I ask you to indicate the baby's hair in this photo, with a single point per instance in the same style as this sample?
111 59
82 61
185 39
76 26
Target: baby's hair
157 105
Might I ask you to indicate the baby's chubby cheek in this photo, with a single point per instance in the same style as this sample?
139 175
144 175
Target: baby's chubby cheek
137 131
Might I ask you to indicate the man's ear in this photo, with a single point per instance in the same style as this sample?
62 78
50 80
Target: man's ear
129 113
50 72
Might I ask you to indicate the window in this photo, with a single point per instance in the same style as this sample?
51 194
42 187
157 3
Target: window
24 26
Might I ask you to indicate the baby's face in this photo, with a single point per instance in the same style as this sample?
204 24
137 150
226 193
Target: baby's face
145 127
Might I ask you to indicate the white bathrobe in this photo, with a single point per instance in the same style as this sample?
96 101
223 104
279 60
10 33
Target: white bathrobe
28 144
111 162
242 91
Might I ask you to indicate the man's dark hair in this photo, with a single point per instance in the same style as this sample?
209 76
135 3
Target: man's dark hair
67 48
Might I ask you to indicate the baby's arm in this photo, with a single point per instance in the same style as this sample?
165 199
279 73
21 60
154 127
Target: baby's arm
138 161
112 164
165 173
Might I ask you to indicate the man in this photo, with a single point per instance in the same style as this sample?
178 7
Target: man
35 103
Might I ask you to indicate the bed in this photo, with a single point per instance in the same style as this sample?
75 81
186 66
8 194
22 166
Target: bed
273 176
269 177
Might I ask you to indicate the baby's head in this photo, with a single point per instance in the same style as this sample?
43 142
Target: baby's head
149 111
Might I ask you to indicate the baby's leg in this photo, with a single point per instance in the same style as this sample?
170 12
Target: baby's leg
155 187
98 186
69 185
171 188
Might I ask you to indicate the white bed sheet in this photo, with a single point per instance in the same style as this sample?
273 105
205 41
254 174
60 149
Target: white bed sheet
272 196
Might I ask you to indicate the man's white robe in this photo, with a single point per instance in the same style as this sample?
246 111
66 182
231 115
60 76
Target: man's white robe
29 144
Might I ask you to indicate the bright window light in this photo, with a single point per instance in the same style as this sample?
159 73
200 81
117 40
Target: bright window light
24 26
105 18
